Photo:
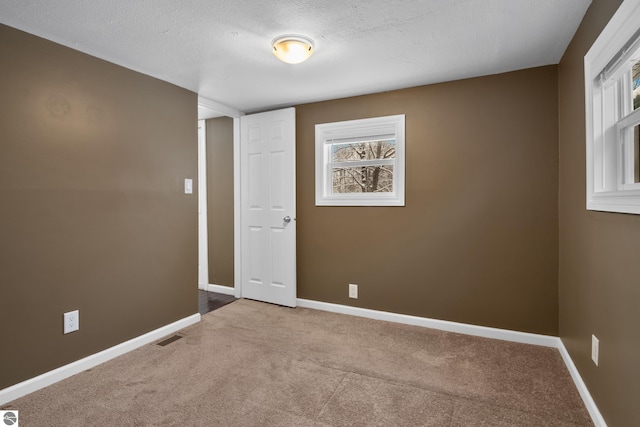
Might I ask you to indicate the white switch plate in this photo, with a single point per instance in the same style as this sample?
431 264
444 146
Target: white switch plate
353 291
188 186
71 321
595 349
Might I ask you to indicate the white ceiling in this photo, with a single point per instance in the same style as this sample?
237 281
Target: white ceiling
221 49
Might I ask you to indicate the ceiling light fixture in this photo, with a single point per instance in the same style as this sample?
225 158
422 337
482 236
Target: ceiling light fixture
292 49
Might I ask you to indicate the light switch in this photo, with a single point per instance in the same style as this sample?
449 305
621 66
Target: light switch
188 186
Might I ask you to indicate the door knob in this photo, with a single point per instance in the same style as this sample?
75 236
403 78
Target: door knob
287 219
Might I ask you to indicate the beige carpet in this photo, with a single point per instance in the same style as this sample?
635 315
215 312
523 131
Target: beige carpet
255 364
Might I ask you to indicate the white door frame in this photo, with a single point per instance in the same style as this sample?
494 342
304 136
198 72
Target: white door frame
237 226
218 109
203 232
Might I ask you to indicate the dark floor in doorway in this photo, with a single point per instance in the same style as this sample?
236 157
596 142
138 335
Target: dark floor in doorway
209 301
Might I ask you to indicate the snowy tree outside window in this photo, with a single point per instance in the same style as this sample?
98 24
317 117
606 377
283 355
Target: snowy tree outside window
349 177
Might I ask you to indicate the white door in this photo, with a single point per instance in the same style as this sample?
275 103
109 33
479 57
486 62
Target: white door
268 206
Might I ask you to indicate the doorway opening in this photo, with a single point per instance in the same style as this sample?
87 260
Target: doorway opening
218 197
246 204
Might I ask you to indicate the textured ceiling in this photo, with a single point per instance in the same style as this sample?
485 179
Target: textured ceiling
221 49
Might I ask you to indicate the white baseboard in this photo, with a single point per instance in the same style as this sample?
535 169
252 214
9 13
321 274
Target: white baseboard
596 416
444 325
220 289
29 386
479 331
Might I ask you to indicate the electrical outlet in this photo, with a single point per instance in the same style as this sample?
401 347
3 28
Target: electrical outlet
595 349
353 291
71 321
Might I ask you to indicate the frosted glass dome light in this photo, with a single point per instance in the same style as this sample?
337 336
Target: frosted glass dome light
292 49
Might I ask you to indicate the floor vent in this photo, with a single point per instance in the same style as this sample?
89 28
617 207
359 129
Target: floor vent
169 340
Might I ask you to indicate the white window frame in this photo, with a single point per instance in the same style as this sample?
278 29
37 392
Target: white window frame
610 185
360 130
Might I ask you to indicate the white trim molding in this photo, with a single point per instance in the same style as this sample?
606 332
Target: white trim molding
596 416
227 290
218 107
443 325
475 330
41 381
237 226
203 231
609 115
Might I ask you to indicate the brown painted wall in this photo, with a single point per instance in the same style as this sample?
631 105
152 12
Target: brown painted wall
477 241
92 212
220 200
599 271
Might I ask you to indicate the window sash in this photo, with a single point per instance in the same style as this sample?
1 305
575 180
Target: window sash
367 137
356 164
363 163
625 128
362 194
631 119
